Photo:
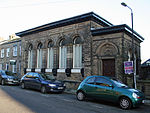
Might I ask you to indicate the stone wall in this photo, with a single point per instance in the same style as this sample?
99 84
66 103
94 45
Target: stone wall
144 85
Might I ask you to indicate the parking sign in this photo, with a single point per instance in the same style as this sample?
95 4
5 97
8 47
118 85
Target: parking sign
128 67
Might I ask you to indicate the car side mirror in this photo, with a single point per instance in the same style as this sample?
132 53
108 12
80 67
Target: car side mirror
37 78
111 86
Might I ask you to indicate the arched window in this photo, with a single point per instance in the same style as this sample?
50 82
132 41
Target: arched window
50 55
77 52
39 55
30 56
129 55
62 54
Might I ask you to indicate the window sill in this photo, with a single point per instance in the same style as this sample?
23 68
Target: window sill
48 70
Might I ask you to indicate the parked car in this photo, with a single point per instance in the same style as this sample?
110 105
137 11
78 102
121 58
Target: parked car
8 77
43 82
108 89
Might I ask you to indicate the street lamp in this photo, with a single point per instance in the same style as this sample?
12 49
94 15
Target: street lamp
134 67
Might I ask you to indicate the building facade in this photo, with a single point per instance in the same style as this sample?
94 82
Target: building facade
10 55
145 70
74 48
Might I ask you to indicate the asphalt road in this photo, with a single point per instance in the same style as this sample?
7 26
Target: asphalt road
13 99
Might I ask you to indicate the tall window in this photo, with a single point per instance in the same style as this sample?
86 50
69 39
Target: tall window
39 55
50 56
14 68
8 51
62 54
77 53
30 55
129 55
1 65
2 53
7 66
20 50
15 50
19 67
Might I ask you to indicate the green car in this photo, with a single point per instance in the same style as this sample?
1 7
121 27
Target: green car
108 89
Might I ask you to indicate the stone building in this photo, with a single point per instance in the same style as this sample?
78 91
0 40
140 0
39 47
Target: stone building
10 55
80 46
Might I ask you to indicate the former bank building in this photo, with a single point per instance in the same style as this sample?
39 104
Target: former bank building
80 46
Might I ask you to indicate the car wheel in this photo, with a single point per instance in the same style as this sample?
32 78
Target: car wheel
125 103
3 82
23 85
43 89
80 96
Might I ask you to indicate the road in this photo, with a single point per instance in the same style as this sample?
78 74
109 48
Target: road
13 99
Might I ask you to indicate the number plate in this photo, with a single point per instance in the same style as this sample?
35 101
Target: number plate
15 81
143 101
60 87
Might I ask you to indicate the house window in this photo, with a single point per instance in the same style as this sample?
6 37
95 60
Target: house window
1 65
30 55
2 53
62 54
8 51
39 55
50 56
19 67
77 53
14 68
7 66
15 51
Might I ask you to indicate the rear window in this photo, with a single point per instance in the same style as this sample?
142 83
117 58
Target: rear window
90 80
29 75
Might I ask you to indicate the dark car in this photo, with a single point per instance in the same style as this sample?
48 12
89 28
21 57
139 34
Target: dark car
43 82
7 77
108 89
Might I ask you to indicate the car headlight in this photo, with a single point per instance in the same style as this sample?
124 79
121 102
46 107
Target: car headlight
9 79
52 85
135 96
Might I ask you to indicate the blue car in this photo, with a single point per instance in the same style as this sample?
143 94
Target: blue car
43 82
8 78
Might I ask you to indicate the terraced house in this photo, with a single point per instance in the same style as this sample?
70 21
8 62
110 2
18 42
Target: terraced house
79 46
10 54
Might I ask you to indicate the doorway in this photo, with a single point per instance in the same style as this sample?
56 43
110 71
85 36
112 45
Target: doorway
108 67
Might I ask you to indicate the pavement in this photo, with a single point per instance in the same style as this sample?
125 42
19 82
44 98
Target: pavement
146 101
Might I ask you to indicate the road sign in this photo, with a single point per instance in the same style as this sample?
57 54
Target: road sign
128 67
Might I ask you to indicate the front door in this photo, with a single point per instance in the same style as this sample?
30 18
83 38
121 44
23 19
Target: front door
109 67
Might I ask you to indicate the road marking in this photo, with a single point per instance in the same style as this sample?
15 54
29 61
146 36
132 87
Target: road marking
44 95
67 100
97 106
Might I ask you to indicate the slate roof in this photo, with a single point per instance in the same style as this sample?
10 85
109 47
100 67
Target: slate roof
73 20
146 63
116 29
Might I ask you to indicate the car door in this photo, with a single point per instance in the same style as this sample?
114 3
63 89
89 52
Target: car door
104 89
28 80
0 76
89 87
36 81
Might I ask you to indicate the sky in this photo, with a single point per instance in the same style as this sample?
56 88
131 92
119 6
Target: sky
20 15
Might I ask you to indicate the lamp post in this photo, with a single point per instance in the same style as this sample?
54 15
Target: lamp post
134 66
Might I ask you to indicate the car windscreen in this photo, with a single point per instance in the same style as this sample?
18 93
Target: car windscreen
47 76
3 73
119 84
